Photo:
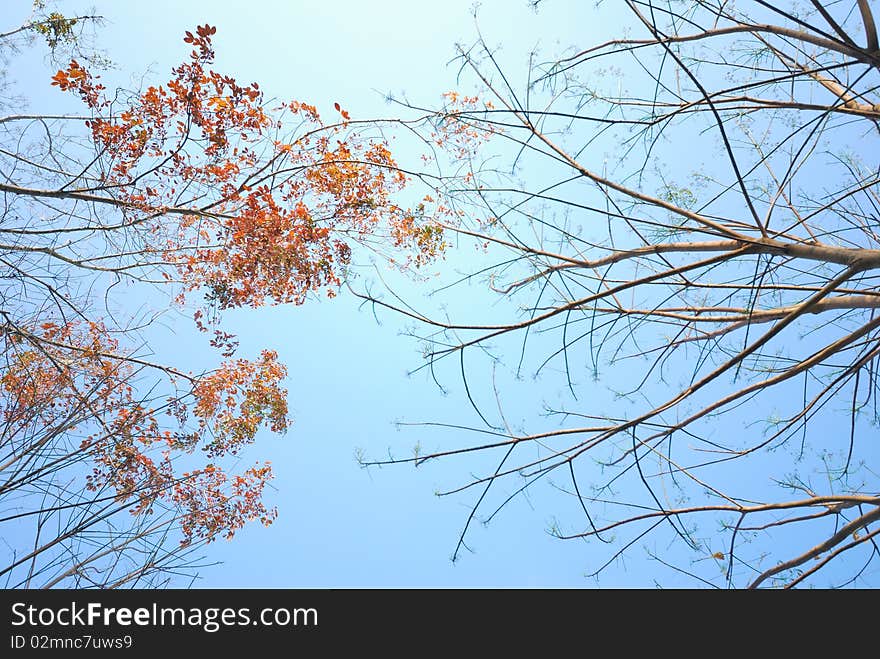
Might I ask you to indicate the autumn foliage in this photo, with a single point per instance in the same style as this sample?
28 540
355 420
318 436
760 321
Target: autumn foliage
270 227
198 187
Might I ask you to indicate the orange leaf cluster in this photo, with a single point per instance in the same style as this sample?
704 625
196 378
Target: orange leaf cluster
239 397
212 512
463 128
268 224
59 374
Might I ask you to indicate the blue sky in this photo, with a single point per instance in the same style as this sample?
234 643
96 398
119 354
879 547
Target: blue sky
341 525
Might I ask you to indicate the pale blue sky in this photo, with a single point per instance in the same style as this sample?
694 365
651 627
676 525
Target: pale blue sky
340 525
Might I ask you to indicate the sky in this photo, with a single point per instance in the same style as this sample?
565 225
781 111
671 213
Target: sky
340 525
350 383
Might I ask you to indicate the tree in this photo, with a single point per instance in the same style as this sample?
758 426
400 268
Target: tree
196 194
687 213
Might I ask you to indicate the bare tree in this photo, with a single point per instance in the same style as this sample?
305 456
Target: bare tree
687 212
